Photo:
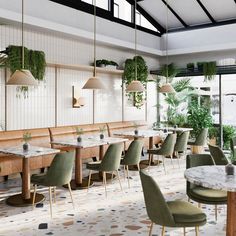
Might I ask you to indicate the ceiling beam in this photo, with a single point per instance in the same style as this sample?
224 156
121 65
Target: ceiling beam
157 25
206 11
175 14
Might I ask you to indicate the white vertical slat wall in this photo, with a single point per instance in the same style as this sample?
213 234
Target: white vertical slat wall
40 109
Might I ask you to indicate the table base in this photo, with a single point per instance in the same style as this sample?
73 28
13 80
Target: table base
18 201
97 177
75 186
135 168
231 216
153 163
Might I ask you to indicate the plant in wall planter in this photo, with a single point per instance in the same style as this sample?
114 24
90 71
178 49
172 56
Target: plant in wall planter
106 63
190 67
209 70
138 98
34 61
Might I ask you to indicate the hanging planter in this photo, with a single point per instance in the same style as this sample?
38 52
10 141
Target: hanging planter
138 98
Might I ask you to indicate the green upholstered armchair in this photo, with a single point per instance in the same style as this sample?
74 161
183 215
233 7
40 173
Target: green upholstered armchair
166 149
109 163
200 139
170 213
218 155
132 156
59 174
201 194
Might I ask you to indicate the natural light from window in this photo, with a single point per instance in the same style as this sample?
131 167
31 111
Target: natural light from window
122 10
100 3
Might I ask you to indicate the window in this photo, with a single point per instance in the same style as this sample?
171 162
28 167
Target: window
142 21
122 10
100 3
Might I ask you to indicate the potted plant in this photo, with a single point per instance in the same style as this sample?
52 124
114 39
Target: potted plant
190 67
106 63
209 70
213 134
228 133
102 129
200 66
26 137
79 132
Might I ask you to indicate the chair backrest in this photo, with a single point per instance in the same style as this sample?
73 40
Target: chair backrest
167 148
181 142
233 146
218 155
60 171
157 208
133 154
195 160
111 159
201 138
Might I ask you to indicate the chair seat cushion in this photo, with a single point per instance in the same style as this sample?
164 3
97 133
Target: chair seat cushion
95 165
185 212
207 194
153 151
38 179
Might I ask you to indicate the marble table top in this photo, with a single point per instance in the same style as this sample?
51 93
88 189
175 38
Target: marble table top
142 133
33 151
211 177
88 142
178 129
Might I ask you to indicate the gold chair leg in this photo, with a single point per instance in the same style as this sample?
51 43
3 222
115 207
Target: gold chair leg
50 200
216 212
89 180
138 166
105 182
197 230
124 172
163 160
184 231
112 174
35 190
171 159
177 155
54 194
118 176
127 168
71 196
163 231
150 230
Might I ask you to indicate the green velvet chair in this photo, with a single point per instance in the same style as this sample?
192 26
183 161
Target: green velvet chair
181 144
166 149
132 157
109 163
233 146
201 194
200 139
59 174
168 213
218 155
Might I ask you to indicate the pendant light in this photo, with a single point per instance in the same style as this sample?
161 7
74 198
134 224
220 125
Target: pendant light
94 82
135 85
22 77
167 87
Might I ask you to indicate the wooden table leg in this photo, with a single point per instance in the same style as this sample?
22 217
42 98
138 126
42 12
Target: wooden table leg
150 156
231 214
25 179
101 152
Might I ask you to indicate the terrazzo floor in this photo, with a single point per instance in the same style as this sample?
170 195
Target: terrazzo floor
121 213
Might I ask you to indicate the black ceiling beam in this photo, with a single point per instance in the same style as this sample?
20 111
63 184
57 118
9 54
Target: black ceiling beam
175 14
158 26
206 11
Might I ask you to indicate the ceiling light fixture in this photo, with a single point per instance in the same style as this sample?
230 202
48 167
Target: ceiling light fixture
22 77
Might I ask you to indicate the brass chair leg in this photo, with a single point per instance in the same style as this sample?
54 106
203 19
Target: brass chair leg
184 231
177 155
197 230
50 200
118 176
69 187
89 180
127 168
54 194
171 159
105 182
150 230
35 190
138 167
124 171
163 160
216 212
163 231
112 174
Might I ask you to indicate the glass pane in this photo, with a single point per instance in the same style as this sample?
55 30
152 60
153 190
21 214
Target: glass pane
100 3
142 21
122 10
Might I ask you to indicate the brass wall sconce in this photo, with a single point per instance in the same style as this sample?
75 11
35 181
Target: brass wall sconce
77 100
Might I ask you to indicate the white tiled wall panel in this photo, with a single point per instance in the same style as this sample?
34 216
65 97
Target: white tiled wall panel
108 103
66 114
2 99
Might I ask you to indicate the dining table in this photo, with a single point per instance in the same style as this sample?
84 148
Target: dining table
25 197
144 133
174 129
215 177
87 142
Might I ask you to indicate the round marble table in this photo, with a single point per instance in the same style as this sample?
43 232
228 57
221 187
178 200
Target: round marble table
214 177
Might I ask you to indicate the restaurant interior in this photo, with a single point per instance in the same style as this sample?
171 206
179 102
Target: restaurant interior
117 117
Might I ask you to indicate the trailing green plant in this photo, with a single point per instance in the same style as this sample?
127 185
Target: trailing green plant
228 133
105 62
209 70
169 71
190 66
27 137
200 65
138 98
198 117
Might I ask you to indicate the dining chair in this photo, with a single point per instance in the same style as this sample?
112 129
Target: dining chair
218 155
181 144
169 213
109 163
59 174
166 149
201 194
132 157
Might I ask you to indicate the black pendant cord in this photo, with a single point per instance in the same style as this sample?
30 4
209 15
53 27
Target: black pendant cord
94 39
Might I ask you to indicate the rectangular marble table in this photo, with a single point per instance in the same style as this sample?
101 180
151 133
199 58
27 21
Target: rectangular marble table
25 197
178 129
87 142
